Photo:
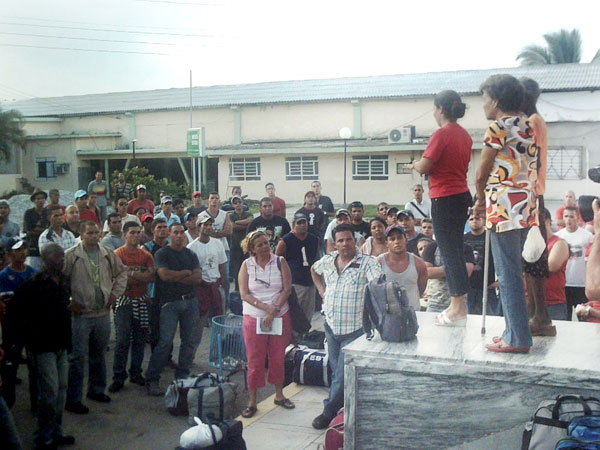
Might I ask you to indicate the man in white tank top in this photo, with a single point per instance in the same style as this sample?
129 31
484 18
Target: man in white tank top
222 228
407 269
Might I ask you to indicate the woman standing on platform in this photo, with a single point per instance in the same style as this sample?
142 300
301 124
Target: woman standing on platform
505 182
265 285
446 160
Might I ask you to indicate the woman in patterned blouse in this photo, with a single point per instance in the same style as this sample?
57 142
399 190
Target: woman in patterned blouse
505 183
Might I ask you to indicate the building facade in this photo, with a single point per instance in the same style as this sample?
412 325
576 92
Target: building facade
288 133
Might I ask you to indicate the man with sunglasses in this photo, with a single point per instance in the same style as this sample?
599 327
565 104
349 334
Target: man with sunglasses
121 209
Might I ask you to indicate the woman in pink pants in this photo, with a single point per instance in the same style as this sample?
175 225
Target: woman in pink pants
265 285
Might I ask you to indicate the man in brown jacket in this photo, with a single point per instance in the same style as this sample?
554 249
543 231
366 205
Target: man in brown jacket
98 277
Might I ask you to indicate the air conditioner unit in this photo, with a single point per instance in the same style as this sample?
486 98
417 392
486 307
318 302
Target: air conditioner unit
402 135
62 168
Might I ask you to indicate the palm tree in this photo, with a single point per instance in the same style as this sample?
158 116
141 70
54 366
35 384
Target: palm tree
11 133
561 47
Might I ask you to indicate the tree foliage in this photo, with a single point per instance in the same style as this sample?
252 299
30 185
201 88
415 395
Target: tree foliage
11 133
140 175
562 47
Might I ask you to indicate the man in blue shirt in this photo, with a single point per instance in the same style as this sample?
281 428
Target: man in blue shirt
166 213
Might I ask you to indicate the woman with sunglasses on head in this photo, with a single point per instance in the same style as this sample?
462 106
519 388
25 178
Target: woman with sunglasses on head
265 284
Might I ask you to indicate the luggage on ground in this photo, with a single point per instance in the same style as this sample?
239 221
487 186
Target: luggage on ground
211 399
314 339
311 368
551 420
225 435
334 437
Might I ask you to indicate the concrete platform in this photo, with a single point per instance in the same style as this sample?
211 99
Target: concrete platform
445 390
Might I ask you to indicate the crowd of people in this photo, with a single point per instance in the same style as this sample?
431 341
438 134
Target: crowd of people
157 268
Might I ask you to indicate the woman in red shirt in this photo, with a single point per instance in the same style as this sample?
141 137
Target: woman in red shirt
446 160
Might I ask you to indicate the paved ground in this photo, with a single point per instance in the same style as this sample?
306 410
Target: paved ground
135 420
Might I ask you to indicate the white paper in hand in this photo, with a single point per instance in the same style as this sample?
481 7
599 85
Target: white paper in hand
276 327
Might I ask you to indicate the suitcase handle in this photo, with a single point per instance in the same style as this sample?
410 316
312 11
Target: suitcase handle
578 398
204 376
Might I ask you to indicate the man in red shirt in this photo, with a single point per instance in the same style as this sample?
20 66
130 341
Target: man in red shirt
568 200
131 309
140 201
278 203
85 213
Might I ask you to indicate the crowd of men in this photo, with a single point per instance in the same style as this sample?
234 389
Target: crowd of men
157 268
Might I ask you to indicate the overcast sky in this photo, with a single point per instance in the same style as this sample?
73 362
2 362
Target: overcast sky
248 41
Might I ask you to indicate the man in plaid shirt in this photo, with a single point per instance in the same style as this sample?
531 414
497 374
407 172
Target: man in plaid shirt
341 278
56 233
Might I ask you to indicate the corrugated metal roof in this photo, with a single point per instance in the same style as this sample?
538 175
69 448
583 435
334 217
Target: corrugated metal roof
560 77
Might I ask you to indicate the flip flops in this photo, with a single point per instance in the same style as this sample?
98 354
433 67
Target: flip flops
498 347
249 412
442 320
285 403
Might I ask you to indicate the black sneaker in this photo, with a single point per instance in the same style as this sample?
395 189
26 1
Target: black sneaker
100 398
116 386
321 422
77 408
138 379
63 439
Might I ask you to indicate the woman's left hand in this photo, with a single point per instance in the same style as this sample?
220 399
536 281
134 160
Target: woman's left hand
268 320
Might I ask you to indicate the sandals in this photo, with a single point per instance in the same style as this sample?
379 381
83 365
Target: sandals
285 403
442 320
499 347
249 412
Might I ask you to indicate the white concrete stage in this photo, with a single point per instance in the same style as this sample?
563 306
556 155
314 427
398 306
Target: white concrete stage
445 390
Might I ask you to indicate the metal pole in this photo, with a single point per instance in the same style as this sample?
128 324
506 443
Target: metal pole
486 267
133 146
191 126
345 172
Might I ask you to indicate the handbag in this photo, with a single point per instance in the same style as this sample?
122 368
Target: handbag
300 324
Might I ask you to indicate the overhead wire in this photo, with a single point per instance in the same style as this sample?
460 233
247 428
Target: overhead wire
88 39
106 30
94 23
84 49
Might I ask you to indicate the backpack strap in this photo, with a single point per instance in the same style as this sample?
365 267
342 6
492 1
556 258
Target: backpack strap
419 209
392 304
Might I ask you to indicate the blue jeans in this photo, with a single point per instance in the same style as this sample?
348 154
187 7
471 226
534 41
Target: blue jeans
90 337
127 331
8 429
475 302
436 308
449 215
187 314
52 370
506 248
335 344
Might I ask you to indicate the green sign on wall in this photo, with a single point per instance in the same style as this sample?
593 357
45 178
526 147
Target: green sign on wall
195 142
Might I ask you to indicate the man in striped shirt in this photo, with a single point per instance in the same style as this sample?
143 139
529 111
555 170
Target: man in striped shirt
340 278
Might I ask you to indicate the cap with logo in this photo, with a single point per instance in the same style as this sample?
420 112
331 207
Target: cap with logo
391 228
405 212
147 216
166 199
140 186
342 212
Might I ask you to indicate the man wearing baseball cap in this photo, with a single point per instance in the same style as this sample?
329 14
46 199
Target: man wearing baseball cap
34 224
398 265
300 250
140 201
212 257
341 216
406 220
197 206
166 204
85 213
146 235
